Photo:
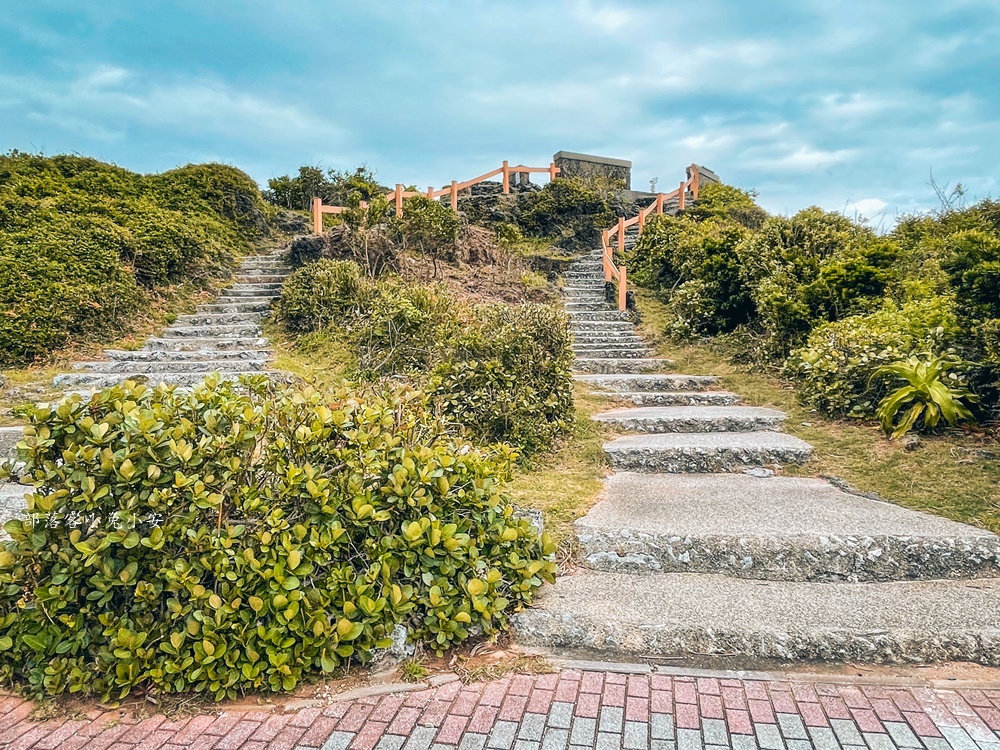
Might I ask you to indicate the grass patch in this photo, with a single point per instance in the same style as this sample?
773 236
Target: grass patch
955 474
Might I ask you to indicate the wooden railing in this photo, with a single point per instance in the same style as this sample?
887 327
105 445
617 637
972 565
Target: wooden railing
397 195
613 272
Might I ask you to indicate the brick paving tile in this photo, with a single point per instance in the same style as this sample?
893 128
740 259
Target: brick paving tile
540 700
466 702
355 717
782 700
239 734
434 714
812 714
588 705
614 678
638 685
482 719
614 695
687 716
886 710
451 730
711 706
661 701
592 682
834 706
522 685
567 690
316 735
387 707
761 711
684 692
494 693
732 696
369 735
513 707
739 721
709 685
636 709
404 720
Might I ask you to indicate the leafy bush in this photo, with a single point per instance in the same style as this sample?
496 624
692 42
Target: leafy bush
932 392
508 377
429 227
838 369
567 209
82 244
719 201
323 293
334 187
240 538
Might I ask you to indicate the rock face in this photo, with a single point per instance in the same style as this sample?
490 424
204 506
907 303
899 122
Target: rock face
224 336
700 547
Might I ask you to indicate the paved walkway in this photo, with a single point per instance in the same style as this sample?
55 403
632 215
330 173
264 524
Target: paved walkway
570 709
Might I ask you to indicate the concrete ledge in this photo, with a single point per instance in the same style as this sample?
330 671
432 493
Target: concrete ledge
705 452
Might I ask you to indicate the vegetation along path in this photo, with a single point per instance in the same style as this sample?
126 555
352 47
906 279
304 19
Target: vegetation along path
700 547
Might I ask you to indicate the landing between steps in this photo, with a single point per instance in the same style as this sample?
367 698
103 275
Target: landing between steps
776 528
691 614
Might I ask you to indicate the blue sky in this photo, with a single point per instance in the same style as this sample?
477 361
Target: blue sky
848 105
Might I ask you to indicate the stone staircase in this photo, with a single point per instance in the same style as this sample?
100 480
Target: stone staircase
224 336
700 548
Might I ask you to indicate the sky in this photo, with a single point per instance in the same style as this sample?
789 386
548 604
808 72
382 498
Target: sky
852 106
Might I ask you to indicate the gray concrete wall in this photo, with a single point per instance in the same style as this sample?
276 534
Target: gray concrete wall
617 172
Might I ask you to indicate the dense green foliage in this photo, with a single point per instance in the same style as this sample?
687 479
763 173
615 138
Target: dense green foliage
334 187
82 243
829 300
243 537
568 210
503 372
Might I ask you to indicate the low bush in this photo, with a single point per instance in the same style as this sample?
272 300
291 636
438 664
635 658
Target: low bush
240 538
568 210
838 369
932 391
83 244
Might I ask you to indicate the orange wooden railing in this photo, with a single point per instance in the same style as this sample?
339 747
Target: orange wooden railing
397 195
618 272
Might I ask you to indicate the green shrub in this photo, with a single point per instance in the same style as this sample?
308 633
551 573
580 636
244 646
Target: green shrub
972 263
719 201
568 210
932 392
241 538
508 377
430 228
838 370
323 293
334 187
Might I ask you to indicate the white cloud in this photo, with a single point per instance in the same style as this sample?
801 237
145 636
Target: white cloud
870 207
805 159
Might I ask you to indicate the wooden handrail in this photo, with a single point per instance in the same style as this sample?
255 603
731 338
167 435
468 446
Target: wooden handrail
619 273
397 195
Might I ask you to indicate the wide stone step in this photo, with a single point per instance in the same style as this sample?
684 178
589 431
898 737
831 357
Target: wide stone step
204 355
705 451
610 315
658 419
775 528
239 330
253 278
603 351
206 344
253 305
691 614
252 290
259 299
618 338
103 380
620 365
596 306
592 296
658 382
677 398
160 366
215 319
9 438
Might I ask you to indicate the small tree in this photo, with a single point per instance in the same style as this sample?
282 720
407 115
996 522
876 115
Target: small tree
430 228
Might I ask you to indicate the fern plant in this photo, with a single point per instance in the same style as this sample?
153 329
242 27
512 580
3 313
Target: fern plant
931 393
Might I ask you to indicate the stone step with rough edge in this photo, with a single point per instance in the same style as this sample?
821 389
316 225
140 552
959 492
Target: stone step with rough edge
657 382
662 419
676 398
144 355
598 306
618 338
774 528
259 279
269 291
205 344
171 365
215 319
103 380
608 327
705 452
692 614
239 330
9 438
254 305
264 269
607 351
621 365
608 315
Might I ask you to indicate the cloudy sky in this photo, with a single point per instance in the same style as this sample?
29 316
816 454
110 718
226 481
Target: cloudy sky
849 105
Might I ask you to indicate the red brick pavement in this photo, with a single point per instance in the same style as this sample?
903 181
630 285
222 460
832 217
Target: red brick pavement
556 710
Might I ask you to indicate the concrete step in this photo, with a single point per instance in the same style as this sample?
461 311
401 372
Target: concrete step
619 338
691 614
609 327
677 398
595 297
604 351
239 330
620 365
144 355
705 451
775 528
236 364
205 344
609 315
9 438
219 318
658 382
690 419
596 306
252 304
229 299
252 290
254 278
103 380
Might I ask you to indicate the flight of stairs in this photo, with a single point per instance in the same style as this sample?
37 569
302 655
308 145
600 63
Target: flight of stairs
224 336
699 547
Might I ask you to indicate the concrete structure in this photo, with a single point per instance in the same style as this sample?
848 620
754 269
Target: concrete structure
617 172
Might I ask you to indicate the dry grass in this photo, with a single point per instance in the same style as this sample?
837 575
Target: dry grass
955 474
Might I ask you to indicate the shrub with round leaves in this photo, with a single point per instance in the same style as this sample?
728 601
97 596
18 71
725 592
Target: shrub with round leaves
240 537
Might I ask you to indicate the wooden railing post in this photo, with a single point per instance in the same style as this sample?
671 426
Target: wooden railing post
430 193
659 203
506 177
695 181
680 196
553 170
399 200
622 289
642 220
454 195
317 215
621 234
606 245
